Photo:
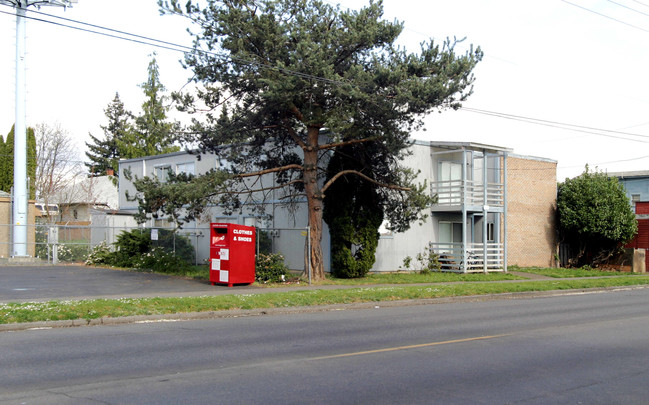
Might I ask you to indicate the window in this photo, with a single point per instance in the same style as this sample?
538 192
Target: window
162 173
635 197
450 232
450 178
187 168
490 232
162 223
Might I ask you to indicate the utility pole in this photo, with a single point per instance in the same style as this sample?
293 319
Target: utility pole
20 194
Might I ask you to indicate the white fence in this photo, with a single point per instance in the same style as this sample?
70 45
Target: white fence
476 258
457 192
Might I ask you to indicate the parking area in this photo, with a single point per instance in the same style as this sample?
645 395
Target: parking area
41 283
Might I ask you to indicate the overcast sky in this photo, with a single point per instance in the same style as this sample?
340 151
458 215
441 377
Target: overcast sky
547 64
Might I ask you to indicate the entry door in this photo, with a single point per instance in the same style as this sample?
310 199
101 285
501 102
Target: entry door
450 233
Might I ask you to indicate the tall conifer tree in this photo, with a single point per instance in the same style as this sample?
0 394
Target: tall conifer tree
283 71
104 154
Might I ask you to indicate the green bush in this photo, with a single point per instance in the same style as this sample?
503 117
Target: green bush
426 262
270 268
72 252
135 249
100 254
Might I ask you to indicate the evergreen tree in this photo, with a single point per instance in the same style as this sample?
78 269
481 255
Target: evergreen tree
354 213
126 136
152 133
283 71
104 154
7 163
31 162
3 159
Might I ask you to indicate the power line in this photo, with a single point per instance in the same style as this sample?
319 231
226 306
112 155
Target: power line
606 16
641 3
176 47
555 124
182 48
627 7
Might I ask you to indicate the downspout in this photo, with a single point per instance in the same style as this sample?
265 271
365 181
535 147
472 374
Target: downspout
485 208
505 210
464 217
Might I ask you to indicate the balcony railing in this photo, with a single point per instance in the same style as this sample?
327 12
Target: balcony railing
452 257
454 193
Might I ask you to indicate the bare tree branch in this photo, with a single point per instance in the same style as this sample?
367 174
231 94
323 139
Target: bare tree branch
345 143
267 171
361 175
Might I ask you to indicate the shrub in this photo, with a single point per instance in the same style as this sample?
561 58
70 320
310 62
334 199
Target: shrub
100 254
72 252
136 249
425 262
270 268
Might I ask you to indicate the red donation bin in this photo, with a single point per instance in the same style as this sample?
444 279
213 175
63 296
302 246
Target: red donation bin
232 254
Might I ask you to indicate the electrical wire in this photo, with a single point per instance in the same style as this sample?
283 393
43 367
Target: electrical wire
123 35
627 7
606 16
555 124
175 47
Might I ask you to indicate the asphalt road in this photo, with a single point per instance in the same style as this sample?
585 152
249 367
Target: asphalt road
25 283
589 348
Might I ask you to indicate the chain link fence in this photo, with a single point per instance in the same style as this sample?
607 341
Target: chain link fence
72 243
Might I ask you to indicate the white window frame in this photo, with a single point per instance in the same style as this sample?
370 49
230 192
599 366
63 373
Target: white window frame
162 172
182 168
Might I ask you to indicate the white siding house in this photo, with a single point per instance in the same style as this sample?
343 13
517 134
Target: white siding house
467 227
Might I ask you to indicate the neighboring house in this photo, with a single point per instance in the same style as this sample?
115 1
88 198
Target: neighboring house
77 207
636 184
494 209
77 202
6 226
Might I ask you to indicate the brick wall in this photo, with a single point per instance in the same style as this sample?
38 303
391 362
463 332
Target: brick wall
6 225
531 207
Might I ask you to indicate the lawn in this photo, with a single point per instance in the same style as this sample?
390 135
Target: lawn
387 287
104 308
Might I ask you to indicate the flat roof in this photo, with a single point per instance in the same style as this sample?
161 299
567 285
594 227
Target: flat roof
629 174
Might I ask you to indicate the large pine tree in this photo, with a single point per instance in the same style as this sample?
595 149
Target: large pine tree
279 72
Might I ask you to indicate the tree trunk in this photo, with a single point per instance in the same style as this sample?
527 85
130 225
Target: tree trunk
314 202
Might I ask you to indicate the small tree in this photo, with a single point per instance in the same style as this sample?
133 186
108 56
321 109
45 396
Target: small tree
595 216
56 162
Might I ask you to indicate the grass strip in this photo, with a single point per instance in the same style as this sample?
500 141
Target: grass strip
103 308
568 273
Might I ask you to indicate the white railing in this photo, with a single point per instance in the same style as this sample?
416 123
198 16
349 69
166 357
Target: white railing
479 257
452 193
